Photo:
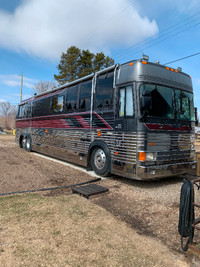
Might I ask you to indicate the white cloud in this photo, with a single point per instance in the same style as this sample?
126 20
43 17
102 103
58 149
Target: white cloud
15 80
46 28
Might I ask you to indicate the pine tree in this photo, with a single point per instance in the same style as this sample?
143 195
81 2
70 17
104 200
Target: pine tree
69 65
77 63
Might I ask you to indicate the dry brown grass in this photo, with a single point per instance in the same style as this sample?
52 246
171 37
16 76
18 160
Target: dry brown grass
71 231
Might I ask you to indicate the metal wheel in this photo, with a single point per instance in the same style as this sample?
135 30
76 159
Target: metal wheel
28 143
100 161
24 142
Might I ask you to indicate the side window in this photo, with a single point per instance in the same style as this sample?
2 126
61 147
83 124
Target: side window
121 102
129 101
85 95
104 90
28 110
72 93
21 111
126 102
57 103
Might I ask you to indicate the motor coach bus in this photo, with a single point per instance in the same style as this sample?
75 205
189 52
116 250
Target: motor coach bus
135 120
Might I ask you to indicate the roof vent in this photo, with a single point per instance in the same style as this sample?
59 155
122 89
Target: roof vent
145 57
179 69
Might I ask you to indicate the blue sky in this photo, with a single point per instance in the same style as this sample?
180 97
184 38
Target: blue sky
34 33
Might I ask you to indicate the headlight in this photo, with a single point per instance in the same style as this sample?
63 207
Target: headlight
150 156
147 156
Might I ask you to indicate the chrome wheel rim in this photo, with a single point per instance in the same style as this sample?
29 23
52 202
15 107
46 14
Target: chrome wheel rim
100 159
28 143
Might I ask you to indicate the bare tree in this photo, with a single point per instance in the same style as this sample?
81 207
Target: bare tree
7 112
44 86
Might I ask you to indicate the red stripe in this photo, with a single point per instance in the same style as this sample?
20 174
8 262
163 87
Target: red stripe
167 127
81 120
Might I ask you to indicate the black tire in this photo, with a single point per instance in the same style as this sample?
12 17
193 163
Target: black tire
21 141
28 145
100 161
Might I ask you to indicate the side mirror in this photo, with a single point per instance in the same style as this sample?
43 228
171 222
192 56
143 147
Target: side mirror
196 117
145 102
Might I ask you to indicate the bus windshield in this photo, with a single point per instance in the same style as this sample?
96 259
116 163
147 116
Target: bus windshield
166 102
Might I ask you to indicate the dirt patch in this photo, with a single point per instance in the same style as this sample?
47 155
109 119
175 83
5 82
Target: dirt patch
21 170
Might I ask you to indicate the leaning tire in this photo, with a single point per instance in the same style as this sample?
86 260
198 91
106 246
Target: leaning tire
100 161
28 145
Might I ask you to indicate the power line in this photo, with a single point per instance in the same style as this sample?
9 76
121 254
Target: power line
167 30
162 36
182 58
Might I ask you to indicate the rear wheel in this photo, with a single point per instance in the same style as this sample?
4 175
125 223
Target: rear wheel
100 161
28 143
24 142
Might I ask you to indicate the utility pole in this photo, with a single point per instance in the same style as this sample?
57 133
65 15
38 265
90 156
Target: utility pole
21 86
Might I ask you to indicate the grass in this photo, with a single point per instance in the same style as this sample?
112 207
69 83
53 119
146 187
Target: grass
70 231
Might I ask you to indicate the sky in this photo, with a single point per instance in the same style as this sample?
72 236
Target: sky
34 33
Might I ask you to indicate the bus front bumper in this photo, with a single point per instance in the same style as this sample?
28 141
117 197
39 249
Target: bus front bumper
165 170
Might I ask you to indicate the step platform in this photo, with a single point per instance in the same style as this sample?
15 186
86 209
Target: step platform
90 190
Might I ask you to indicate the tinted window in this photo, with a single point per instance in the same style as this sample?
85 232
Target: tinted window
57 103
21 111
184 105
162 100
24 111
41 107
71 98
85 95
104 91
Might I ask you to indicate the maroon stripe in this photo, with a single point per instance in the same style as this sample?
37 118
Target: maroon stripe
59 123
84 123
167 127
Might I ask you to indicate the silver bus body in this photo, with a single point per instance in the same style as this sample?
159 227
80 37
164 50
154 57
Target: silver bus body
121 132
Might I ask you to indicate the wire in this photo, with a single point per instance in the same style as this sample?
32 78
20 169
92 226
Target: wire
50 188
149 39
193 55
163 38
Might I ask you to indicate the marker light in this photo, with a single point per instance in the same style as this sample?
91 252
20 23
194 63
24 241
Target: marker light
131 64
144 62
142 156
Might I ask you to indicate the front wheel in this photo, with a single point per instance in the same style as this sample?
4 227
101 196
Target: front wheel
100 161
